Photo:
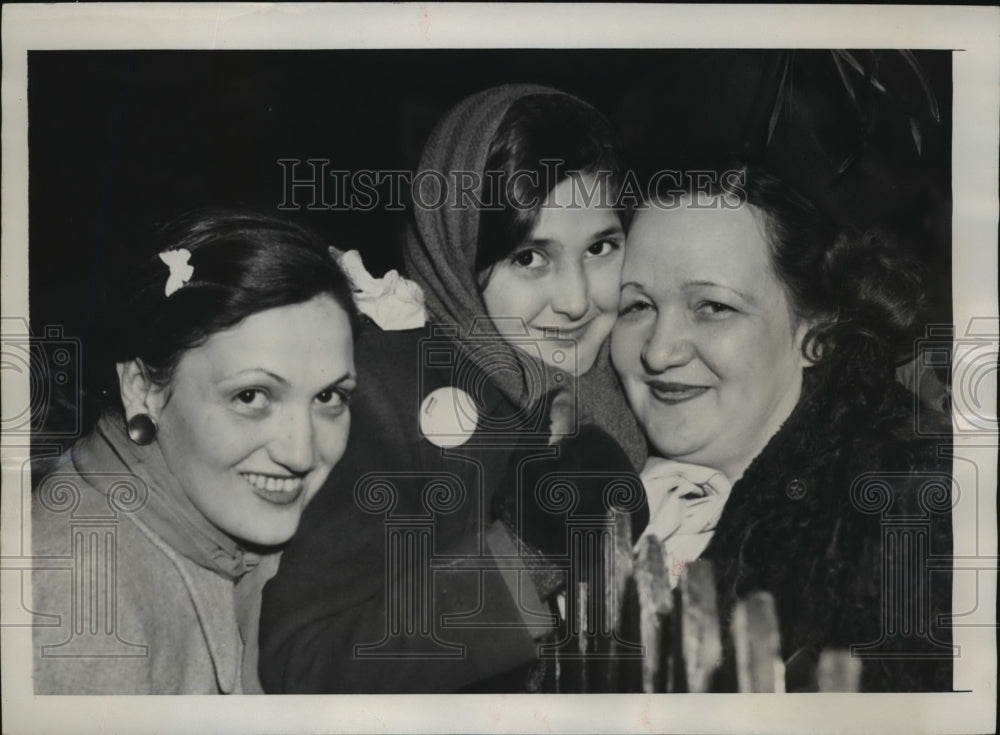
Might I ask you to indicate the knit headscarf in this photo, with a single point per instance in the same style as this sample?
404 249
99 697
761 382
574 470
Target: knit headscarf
441 256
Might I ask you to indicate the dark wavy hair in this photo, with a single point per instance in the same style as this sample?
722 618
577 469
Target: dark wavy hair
536 132
244 263
862 289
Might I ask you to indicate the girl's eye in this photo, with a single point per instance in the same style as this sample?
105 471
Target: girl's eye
528 259
635 306
253 399
603 247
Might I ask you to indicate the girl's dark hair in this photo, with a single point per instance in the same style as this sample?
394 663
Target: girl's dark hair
542 140
861 287
243 262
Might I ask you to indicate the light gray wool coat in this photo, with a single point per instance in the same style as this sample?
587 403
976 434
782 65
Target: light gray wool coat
126 613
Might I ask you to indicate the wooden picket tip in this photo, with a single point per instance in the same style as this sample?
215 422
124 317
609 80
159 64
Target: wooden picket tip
622 570
757 642
583 623
838 671
655 603
698 618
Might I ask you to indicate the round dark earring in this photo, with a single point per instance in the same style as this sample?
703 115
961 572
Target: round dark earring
141 429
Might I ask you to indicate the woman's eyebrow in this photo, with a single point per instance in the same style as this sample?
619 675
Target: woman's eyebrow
714 284
344 378
273 376
347 376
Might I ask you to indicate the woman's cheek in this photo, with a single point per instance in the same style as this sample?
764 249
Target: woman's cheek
331 436
620 354
231 436
626 350
617 351
603 324
608 291
729 346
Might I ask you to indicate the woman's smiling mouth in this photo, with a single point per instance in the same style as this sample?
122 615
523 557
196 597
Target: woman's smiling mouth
276 489
673 393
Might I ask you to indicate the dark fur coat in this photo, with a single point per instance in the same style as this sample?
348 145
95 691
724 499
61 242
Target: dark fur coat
845 518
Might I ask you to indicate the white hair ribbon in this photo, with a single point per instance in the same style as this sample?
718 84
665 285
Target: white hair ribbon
180 271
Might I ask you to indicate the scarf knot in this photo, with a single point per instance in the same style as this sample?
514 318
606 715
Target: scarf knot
685 504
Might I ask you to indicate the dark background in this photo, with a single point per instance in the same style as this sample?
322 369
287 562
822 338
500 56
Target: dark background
121 141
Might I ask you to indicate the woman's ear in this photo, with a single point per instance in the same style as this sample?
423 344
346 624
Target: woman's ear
139 393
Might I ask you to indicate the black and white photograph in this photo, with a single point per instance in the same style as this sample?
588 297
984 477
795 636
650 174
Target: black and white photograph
518 364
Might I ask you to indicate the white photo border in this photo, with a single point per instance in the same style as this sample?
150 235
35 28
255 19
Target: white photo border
971 32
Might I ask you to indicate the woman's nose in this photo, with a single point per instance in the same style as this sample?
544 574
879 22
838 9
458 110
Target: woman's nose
293 445
570 293
668 344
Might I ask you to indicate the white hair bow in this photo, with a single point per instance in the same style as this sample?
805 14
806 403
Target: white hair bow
392 302
180 270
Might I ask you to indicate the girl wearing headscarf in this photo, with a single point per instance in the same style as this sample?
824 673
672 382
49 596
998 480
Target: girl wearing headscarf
426 565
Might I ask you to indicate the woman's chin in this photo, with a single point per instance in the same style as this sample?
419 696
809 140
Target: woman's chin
684 450
263 536
265 541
